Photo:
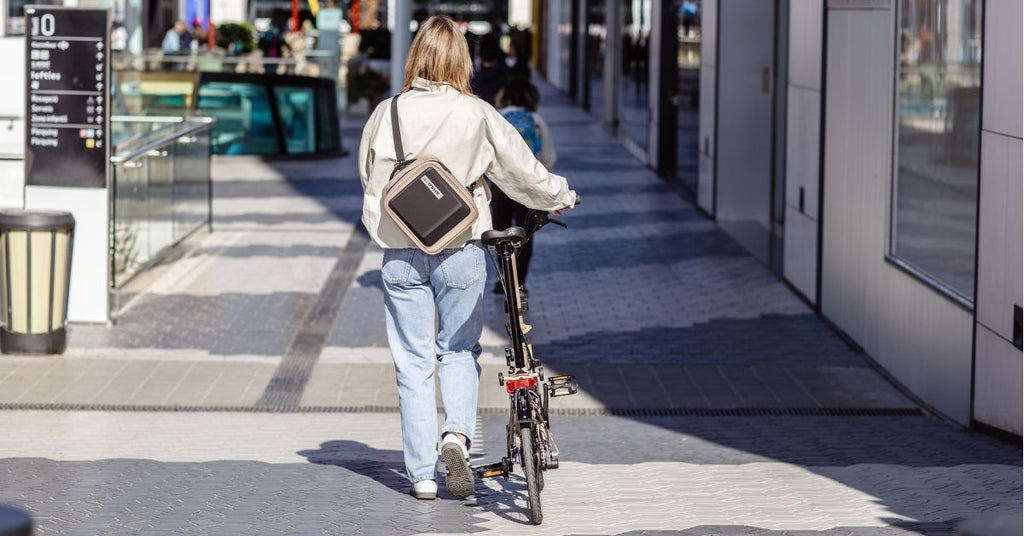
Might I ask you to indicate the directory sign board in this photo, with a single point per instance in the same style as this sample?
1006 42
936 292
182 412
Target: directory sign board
67 109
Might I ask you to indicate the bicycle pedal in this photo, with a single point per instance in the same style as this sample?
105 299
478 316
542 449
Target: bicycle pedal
492 470
563 385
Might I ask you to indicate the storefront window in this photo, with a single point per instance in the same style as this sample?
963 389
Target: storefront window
634 111
688 34
938 114
595 49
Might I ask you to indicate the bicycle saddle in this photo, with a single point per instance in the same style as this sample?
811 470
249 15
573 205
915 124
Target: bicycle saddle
512 234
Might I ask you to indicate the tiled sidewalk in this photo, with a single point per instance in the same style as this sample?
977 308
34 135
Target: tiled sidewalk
643 298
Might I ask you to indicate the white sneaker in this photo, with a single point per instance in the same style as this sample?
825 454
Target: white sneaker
456 457
424 490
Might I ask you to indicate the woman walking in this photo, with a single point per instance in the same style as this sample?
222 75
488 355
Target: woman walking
439 116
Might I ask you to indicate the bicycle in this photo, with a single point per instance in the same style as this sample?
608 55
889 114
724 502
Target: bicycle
528 437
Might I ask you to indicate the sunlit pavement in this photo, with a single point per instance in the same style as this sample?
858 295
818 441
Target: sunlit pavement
249 390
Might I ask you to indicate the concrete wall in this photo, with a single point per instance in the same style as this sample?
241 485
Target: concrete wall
803 144
708 95
921 337
998 364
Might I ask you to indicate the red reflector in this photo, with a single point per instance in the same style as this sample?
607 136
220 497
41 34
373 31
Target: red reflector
519 383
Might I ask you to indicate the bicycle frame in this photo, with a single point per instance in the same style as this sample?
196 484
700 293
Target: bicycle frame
528 438
521 358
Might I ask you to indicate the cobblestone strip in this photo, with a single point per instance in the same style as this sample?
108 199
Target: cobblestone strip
286 386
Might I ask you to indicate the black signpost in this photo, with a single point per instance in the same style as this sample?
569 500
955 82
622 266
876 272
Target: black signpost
67 109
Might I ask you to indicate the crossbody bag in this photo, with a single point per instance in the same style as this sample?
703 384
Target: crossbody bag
430 206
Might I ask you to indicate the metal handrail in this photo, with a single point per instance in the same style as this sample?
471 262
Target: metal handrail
199 124
188 58
152 118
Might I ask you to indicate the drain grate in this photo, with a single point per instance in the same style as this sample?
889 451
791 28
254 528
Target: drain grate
560 412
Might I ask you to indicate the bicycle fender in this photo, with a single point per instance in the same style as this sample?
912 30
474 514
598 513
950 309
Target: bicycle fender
524 415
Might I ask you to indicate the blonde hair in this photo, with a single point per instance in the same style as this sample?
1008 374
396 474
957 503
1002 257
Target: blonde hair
440 54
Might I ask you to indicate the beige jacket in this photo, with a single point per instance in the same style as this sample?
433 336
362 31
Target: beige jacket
471 138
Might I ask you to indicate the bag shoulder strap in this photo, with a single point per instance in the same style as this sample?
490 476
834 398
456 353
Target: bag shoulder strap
396 133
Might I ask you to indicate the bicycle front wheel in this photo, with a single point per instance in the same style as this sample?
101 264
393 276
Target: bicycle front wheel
531 468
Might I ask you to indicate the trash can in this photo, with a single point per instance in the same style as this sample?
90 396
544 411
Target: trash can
35 270
14 522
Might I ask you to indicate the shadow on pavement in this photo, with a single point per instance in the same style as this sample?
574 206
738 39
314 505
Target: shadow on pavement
387 468
384 466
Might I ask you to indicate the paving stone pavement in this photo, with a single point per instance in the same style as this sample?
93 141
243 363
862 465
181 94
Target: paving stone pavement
644 299
229 473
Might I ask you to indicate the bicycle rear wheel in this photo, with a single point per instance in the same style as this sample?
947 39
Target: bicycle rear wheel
532 470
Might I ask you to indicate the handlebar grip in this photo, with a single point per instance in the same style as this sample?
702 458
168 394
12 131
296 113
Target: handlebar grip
556 222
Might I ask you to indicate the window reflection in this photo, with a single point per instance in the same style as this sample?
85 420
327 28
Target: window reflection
593 89
634 113
688 34
937 139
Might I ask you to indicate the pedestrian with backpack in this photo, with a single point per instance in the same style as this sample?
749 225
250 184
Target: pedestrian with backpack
517 102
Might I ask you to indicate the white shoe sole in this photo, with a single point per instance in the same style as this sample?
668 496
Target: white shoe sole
460 475
423 495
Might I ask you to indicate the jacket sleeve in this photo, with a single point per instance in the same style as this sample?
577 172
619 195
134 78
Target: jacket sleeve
366 153
517 172
547 155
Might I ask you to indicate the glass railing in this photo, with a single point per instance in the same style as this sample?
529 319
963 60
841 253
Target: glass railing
161 189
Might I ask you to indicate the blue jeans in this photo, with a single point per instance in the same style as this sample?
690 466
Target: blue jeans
415 285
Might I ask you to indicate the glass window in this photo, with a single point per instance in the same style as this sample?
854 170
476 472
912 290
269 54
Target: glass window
634 111
688 32
938 114
595 49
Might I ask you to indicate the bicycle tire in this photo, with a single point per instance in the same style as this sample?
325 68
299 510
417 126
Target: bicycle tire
532 470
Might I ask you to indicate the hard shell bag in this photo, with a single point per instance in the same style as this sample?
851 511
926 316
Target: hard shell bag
427 202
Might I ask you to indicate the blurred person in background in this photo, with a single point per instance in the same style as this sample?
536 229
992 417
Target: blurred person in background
171 45
518 58
118 36
517 102
199 36
296 46
272 42
492 74
172 39
185 38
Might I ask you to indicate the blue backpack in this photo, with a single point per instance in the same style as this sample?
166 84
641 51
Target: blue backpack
527 127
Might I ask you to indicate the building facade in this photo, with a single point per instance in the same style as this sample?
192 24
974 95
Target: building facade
868 151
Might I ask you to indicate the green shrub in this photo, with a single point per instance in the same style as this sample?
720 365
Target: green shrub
236 38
